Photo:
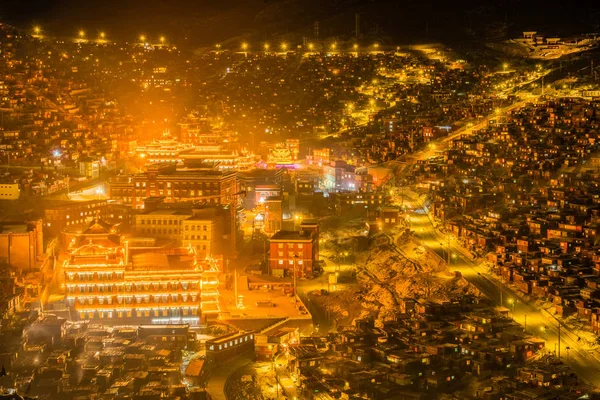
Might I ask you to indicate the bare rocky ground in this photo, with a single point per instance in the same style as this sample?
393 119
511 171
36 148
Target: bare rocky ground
387 273
253 382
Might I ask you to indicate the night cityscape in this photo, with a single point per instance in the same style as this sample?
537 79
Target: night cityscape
299 199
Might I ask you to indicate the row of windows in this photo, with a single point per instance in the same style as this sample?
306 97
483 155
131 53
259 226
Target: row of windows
290 255
195 237
93 276
139 314
177 193
291 245
290 262
231 343
154 299
182 185
159 231
129 287
160 222
196 227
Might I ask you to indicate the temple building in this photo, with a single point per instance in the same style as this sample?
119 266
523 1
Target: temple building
163 150
282 155
153 288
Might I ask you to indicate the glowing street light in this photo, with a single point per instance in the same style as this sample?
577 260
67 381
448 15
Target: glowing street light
376 46
512 303
266 46
311 46
37 30
333 46
81 34
244 46
142 38
355 47
505 66
284 46
102 35
218 46
162 39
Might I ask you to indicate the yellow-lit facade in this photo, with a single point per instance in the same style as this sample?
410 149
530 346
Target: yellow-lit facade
101 286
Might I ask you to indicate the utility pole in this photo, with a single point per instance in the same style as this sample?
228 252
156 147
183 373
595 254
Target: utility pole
235 290
559 340
542 85
227 274
525 326
401 195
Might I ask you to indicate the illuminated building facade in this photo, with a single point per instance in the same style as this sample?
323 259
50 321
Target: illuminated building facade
273 214
223 160
319 157
176 185
199 132
164 150
21 243
281 156
10 191
339 176
294 250
101 285
294 147
198 227
263 192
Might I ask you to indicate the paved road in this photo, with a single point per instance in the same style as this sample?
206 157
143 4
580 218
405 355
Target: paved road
581 360
219 376
287 384
319 314
443 143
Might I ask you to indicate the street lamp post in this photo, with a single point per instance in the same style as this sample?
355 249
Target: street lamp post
276 381
295 263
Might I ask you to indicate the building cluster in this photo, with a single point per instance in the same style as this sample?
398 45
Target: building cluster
63 109
56 359
524 192
430 349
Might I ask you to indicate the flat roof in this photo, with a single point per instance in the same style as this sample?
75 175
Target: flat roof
168 211
229 336
291 235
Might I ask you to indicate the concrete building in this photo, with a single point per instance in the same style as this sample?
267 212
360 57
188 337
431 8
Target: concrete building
200 227
21 243
10 191
223 348
175 185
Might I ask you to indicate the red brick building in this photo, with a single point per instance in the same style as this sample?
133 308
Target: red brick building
294 249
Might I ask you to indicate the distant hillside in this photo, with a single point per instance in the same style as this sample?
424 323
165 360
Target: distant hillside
204 22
